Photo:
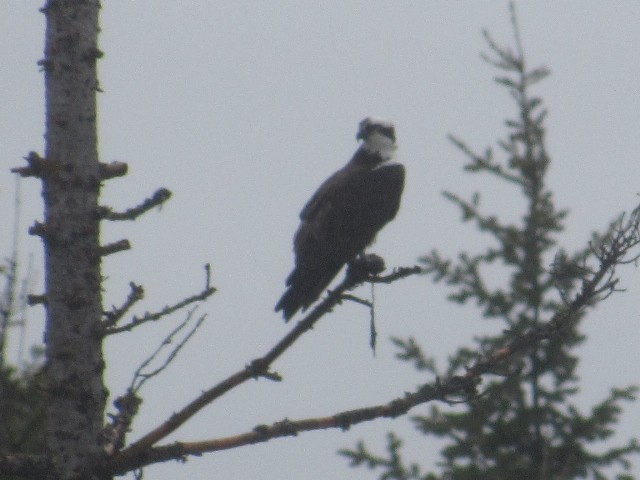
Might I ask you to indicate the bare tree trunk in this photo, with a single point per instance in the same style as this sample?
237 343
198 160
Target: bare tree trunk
71 184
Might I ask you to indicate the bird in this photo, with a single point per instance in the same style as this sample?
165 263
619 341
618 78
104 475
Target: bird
344 215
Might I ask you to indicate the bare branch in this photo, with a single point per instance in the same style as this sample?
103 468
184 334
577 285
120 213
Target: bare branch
116 431
157 199
454 389
353 298
36 166
286 427
116 313
373 332
36 299
128 404
257 368
38 229
115 247
112 170
615 250
140 377
396 274
167 310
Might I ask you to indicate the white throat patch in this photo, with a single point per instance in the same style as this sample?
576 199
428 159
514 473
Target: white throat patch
380 144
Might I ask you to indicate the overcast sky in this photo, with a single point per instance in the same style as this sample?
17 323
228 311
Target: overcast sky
243 108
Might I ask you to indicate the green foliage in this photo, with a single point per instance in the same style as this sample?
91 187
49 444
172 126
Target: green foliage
22 402
523 425
22 411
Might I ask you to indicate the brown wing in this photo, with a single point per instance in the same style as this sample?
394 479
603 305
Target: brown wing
338 222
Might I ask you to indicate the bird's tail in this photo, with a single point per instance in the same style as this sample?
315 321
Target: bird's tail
289 303
304 288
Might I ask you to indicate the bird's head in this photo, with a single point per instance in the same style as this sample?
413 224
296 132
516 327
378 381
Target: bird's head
378 136
372 125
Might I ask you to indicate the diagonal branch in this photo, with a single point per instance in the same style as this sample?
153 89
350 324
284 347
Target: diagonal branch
615 250
459 387
257 368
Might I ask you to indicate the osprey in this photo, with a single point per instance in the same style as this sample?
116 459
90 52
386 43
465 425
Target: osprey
344 215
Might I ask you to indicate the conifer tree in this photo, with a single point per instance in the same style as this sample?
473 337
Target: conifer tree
22 402
522 424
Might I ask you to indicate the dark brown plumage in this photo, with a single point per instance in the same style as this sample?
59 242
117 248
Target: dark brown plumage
344 215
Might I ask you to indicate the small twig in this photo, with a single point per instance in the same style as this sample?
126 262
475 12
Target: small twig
353 298
36 299
150 317
140 377
373 332
128 404
113 169
36 166
157 199
207 270
115 247
169 309
135 295
38 229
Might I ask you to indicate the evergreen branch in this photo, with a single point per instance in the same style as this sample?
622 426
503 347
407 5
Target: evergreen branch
135 455
484 163
411 351
509 236
466 276
393 463
523 426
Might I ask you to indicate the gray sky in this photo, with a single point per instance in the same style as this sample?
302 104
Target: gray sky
243 108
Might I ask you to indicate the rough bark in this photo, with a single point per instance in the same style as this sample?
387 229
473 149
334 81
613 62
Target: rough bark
71 184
